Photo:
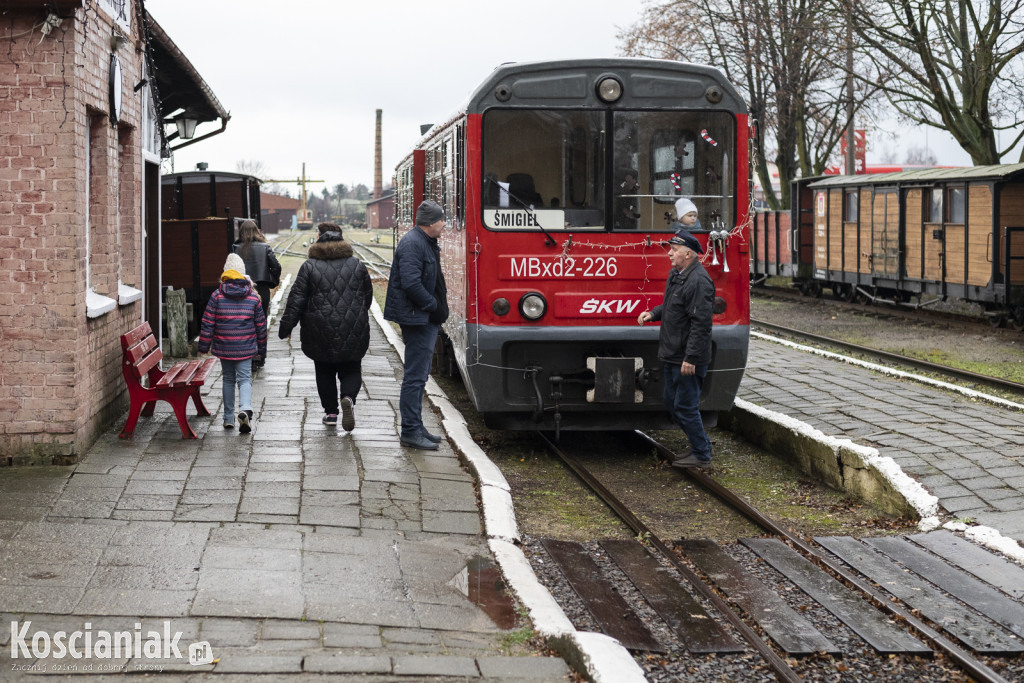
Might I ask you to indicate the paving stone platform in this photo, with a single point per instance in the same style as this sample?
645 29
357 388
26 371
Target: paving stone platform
967 452
297 550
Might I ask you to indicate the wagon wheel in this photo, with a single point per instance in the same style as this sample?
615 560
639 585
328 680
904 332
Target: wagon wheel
861 297
997 321
815 289
839 292
444 357
1016 319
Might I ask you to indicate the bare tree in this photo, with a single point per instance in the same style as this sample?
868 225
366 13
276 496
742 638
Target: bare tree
251 167
921 156
780 54
955 65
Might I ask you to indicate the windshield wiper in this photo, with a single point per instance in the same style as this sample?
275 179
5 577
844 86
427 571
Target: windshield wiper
549 241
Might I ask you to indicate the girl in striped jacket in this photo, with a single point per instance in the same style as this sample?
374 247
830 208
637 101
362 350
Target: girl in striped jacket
234 329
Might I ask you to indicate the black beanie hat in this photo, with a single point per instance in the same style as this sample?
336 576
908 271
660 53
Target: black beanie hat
429 213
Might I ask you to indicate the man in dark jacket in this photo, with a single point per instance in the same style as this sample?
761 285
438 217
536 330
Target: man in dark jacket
330 299
684 342
417 301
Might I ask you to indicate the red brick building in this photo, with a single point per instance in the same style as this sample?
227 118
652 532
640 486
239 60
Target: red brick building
380 212
277 212
81 140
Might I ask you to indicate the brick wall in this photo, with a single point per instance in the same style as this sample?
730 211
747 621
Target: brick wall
60 381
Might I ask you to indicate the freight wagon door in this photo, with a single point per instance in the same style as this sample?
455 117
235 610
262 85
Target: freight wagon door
885 235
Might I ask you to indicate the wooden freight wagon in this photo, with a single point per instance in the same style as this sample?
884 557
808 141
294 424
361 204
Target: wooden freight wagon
781 242
199 221
929 234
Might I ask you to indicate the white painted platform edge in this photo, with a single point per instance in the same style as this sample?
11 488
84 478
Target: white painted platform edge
917 495
970 393
604 659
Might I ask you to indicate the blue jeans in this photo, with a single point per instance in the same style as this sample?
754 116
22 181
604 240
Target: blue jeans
236 371
419 354
682 398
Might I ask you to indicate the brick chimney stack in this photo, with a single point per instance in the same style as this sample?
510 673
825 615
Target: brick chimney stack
378 185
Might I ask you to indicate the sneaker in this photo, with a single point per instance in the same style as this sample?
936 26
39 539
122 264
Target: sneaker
432 437
331 419
348 416
229 425
691 460
418 441
243 422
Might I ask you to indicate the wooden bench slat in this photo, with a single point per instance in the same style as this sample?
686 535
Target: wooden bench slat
149 362
142 348
204 371
133 337
168 379
184 376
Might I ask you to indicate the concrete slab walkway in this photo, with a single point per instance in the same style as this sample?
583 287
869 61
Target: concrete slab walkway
297 550
966 451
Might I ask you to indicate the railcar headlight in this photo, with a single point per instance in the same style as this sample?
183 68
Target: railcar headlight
532 306
501 306
609 89
719 306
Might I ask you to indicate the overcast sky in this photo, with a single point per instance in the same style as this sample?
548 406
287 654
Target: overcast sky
302 79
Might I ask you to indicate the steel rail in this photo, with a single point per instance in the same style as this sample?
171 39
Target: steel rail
969 664
782 670
996 382
376 267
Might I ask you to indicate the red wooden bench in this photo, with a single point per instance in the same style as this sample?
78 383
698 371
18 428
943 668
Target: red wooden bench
141 357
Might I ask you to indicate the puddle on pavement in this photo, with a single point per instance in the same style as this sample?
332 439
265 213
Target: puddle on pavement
481 582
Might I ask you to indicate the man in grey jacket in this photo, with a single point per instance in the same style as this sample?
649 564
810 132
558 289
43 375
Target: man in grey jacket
684 342
417 301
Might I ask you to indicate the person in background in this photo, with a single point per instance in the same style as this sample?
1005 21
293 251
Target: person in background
684 342
417 301
626 204
262 267
330 299
234 329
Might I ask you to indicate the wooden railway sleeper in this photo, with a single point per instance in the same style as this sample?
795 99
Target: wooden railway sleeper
975 668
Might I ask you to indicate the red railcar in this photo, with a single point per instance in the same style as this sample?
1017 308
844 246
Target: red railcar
559 181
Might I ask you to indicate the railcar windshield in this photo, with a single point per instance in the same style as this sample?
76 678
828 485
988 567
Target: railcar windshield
563 170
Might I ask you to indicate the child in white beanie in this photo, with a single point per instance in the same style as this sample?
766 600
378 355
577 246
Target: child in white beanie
686 213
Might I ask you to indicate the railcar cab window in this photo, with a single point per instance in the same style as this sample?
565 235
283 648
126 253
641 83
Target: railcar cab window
564 170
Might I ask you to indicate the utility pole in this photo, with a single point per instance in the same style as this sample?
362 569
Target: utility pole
378 185
305 217
851 141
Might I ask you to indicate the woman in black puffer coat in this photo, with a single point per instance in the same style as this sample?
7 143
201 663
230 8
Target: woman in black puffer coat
330 299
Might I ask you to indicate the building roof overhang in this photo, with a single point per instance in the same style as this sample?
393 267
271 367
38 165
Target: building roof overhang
181 91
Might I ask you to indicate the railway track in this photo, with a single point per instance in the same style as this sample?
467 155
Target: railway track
927 366
380 266
918 314
904 597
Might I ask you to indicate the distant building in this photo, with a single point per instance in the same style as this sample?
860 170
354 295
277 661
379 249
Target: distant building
352 212
276 212
85 89
380 213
